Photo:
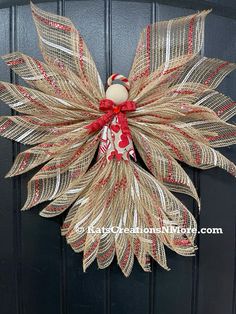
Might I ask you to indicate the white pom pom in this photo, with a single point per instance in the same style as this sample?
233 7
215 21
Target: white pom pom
117 93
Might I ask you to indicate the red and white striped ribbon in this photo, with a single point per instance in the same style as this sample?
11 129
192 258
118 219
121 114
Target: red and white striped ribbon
119 77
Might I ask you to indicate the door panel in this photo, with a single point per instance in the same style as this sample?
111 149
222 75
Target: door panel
40 250
216 254
39 272
8 216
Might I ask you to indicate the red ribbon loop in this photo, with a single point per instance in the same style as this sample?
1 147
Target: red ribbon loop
106 104
128 105
110 109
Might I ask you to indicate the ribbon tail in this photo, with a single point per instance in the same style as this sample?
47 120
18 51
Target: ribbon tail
122 119
100 122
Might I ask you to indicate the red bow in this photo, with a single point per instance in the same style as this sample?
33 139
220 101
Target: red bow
111 110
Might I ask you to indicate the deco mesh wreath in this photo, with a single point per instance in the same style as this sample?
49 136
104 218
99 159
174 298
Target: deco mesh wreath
167 111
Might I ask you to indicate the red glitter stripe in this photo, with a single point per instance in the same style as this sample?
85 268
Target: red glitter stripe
140 75
157 76
190 35
183 242
213 74
36 194
15 62
169 177
152 236
197 151
185 217
226 107
58 209
117 186
125 257
195 146
52 23
92 248
149 162
28 96
6 125
184 92
104 256
104 181
81 55
136 174
77 244
154 243
169 70
24 161
63 165
137 246
148 46
174 149
197 111
31 120
181 131
172 180
168 79
2 88
170 167
160 215
140 119
145 73
47 78
65 225
46 145
225 135
148 156
56 144
148 102
73 157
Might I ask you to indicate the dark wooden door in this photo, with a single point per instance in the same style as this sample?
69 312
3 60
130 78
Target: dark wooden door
39 273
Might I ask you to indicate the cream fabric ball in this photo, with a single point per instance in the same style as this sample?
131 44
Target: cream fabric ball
117 93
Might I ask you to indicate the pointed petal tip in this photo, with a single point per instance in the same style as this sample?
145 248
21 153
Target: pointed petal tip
165 266
203 12
11 174
5 56
32 5
44 214
199 207
126 274
10 55
84 267
198 202
47 214
207 11
24 208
